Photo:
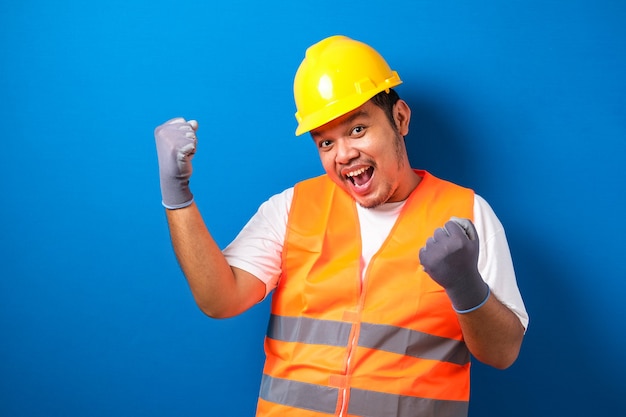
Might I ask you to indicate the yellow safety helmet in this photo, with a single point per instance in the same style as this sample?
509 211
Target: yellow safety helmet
337 75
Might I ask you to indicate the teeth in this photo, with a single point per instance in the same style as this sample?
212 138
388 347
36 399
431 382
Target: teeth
355 173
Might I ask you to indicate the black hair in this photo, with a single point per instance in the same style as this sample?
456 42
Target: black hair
386 101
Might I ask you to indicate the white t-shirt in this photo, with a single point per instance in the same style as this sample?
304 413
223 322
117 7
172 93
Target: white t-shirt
258 247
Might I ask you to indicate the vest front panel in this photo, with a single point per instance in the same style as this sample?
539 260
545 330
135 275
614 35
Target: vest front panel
388 340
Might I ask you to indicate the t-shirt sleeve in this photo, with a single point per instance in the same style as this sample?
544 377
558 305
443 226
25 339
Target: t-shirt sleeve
494 260
257 249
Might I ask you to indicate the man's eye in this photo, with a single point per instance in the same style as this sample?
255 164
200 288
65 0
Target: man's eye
358 130
324 143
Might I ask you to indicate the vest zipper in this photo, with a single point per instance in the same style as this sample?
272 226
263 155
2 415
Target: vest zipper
353 342
344 389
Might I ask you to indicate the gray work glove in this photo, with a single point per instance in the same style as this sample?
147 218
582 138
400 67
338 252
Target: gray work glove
176 145
450 257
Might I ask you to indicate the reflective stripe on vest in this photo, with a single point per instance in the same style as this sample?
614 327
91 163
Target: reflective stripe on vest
364 403
381 343
374 336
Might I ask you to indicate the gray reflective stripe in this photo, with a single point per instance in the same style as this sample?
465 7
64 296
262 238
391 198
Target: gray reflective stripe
363 403
375 336
413 343
306 330
299 394
377 404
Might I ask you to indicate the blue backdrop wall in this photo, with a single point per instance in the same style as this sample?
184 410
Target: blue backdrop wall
522 100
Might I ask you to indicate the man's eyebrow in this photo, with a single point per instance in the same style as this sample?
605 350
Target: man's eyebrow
347 121
353 117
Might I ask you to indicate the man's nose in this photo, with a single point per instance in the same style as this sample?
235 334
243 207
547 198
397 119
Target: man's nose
345 152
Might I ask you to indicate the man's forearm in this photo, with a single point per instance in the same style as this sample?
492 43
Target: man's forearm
493 333
217 289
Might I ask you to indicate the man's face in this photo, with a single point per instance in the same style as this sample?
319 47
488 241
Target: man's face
365 155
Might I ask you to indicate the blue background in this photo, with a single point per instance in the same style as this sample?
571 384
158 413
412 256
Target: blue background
524 101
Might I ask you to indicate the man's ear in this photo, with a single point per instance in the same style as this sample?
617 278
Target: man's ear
402 116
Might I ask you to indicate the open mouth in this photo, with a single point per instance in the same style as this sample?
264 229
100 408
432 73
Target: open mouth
360 177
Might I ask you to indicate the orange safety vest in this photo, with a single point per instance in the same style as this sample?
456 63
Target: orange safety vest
384 344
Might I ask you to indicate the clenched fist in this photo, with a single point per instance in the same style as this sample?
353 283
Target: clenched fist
450 257
176 145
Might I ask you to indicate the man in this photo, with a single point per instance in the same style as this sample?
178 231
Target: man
384 278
